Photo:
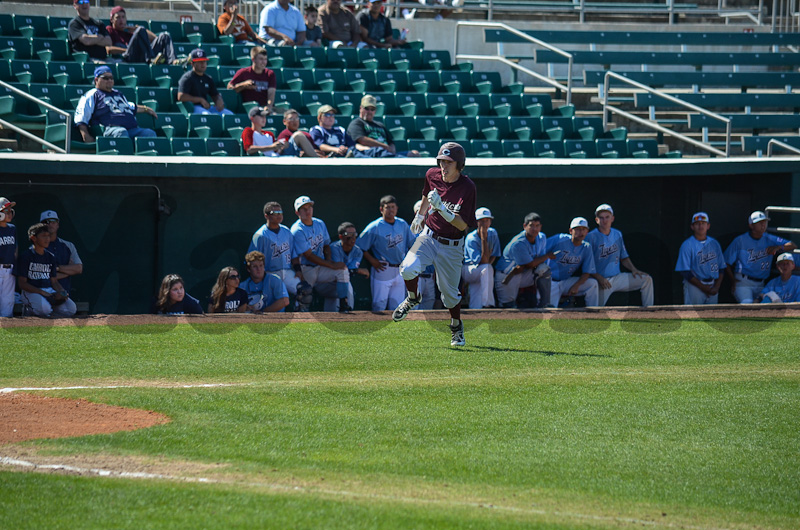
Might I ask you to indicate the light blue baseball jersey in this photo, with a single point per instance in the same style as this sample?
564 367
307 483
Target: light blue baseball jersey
351 261
271 288
704 259
473 248
313 237
520 251
571 258
788 291
749 256
607 251
278 248
387 242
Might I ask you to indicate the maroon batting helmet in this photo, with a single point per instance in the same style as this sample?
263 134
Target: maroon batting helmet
454 152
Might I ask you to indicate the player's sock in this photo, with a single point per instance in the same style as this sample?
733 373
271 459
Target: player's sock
341 290
413 295
454 322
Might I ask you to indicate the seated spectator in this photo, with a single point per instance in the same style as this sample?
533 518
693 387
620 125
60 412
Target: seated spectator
376 28
173 300
88 35
255 140
300 142
196 85
138 44
266 292
373 139
784 288
481 249
339 26
313 31
68 263
36 274
8 257
571 254
344 251
226 295
230 22
281 24
524 264
701 263
329 138
104 105
256 82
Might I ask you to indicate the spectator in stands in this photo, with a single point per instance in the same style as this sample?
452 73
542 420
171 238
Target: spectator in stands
784 288
68 263
481 249
230 22
376 28
172 298
138 44
266 292
196 85
299 142
340 26
346 251
226 295
524 263
106 106
88 35
255 140
408 14
8 256
36 274
372 138
313 31
256 82
329 138
282 24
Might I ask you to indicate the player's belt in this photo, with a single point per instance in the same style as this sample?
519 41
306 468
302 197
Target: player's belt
6 266
706 280
746 277
426 275
446 241
392 264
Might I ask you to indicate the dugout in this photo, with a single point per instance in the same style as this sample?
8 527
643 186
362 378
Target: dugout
135 219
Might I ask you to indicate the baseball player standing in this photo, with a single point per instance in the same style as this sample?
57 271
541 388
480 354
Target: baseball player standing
750 258
481 249
524 263
572 253
8 257
385 242
447 210
276 242
609 251
700 262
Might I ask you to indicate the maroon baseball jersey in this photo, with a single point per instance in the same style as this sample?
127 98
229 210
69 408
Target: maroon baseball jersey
459 197
264 81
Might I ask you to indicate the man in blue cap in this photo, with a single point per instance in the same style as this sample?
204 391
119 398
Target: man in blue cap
106 106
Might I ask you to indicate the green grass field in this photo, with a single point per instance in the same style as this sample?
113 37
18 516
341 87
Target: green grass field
559 424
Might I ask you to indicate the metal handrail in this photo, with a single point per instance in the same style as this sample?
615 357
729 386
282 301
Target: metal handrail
501 58
42 141
783 145
647 123
784 209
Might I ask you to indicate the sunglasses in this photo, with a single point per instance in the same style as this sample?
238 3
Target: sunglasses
329 114
107 77
49 221
233 277
82 2
371 109
276 212
350 235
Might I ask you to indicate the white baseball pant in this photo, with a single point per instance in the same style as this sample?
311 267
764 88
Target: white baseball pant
588 289
7 283
315 275
626 281
480 281
41 306
747 289
290 279
388 289
445 255
694 296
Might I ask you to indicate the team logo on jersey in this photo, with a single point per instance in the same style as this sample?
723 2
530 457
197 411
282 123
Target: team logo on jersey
756 255
455 208
7 240
705 258
608 251
39 271
394 241
278 249
569 258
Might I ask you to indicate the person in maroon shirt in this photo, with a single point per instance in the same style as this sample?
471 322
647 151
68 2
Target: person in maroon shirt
256 82
447 210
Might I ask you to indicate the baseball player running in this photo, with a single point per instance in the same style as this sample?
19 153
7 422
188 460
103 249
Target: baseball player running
447 210
700 262
609 251
572 253
750 258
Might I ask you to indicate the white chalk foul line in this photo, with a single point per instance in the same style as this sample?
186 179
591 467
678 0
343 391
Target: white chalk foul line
8 461
108 387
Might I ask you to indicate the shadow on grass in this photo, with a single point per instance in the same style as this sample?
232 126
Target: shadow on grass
578 326
743 326
651 326
545 353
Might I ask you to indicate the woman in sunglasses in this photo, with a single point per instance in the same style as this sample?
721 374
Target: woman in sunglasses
227 296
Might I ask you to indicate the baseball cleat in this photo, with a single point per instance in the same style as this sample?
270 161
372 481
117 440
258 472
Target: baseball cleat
405 306
458 334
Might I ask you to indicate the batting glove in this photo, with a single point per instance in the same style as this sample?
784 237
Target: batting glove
435 200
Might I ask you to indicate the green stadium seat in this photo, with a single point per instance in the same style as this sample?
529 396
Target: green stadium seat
234 124
343 58
145 120
442 104
313 100
66 73
524 127
132 74
285 100
311 58
205 125
5 71
430 127
278 57
183 49
642 147
297 79
6 24
486 148
487 82
385 104
58 26
537 104
406 59
73 93
557 122
153 146
53 94
31 26
548 149
407 104
307 121
474 104
114 146
587 127
425 147
15 48
400 127
506 104
48 49
199 32
461 128
493 127
374 58
330 80
219 54
517 148
347 103
172 27
165 75
580 148
455 81
188 146
391 81
618 133
158 99
423 81
172 125
361 80
224 146
29 71
232 100
226 73
610 148
56 134
436 60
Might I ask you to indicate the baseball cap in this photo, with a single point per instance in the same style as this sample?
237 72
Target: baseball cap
454 152
100 70
198 54
483 213
579 221
116 10
758 216
5 203
48 214
369 101
700 216
256 111
326 108
301 200
786 256
604 208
